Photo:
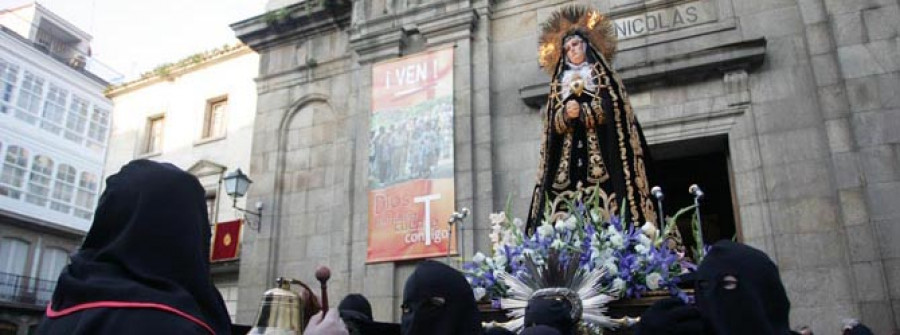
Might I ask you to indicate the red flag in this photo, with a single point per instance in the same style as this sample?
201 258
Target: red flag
226 240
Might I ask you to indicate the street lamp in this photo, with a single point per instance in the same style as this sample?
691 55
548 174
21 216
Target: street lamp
236 185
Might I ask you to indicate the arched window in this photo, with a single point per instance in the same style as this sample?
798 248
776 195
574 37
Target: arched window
30 97
76 121
13 253
12 176
52 263
39 180
63 189
98 127
54 109
84 198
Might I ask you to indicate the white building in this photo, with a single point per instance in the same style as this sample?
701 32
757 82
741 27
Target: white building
198 114
54 123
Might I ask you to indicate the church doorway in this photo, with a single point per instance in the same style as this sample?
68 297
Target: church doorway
705 162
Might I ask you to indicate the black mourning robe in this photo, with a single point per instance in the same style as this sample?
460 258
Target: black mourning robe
603 151
144 265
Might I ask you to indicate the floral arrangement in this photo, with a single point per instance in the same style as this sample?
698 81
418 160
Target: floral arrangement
635 259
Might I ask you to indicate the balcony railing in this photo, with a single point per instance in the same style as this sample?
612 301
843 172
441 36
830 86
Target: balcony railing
25 290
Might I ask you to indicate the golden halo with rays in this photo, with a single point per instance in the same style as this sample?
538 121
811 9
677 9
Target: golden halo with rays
590 23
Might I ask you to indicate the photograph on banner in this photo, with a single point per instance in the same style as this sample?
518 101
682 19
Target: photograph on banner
411 192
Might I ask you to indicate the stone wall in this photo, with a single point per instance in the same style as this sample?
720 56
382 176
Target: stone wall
804 90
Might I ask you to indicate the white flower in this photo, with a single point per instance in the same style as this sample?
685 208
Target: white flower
641 249
653 280
606 253
649 229
498 218
618 285
610 266
571 223
558 244
559 225
495 237
545 230
519 224
500 260
645 241
478 258
595 215
528 251
479 292
617 241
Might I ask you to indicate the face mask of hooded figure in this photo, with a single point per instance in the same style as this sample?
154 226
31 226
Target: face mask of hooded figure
437 300
739 291
144 266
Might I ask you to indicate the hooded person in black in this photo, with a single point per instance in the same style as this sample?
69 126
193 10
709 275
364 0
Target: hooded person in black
554 313
437 300
356 312
144 265
738 291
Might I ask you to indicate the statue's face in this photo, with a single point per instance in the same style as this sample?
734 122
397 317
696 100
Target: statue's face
574 50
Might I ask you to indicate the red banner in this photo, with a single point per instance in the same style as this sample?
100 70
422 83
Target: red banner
409 221
411 163
226 241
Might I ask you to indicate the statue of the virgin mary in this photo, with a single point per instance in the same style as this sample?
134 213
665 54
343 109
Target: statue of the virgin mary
592 141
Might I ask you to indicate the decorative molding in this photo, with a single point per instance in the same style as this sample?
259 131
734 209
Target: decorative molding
716 122
292 23
437 30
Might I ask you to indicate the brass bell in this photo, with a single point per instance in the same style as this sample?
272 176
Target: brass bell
283 311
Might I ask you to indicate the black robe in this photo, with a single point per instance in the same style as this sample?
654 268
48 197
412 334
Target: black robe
603 151
144 265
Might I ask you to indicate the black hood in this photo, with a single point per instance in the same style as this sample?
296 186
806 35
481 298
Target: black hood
555 313
357 315
437 300
757 304
149 242
355 306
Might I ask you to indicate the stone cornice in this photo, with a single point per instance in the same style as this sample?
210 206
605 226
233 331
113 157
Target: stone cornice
744 54
385 42
292 23
449 27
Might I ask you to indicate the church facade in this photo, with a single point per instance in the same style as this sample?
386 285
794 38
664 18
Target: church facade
782 111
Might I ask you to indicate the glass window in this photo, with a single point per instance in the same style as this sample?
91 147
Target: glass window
13 254
97 130
154 141
63 189
8 75
214 120
87 192
211 206
54 109
39 180
76 122
52 263
12 177
30 95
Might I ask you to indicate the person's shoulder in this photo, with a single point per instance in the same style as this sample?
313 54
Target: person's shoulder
120 321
